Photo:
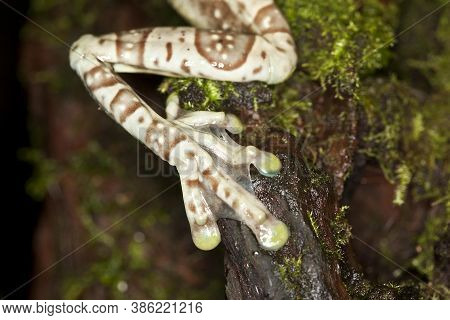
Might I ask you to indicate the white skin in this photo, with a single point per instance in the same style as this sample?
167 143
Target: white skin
233 40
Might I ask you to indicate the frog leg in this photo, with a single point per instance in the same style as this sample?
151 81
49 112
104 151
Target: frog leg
245 43
204 182
250 39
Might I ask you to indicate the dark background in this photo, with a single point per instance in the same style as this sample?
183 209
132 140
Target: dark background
19 211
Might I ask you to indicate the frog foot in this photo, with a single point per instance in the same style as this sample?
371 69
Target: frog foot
215 178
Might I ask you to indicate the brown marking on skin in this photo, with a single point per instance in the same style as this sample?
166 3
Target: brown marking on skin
176 141
191 207
263 55
213 182
124 97
181 40
101 41
206 172
100 78
130 109
278 23
183 33
169 51
243 45
141 46
193 183
190 155
290 42
244 78
185 67
209 222
156 62
235 204
227 16
150 130
257 70
155 123
119 47
197 228
166 154
148 134
164 132
227 193
141 119
280 49
137 39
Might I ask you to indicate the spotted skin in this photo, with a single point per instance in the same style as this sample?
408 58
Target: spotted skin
233 41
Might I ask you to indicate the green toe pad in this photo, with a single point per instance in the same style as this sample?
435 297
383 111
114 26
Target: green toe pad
272 234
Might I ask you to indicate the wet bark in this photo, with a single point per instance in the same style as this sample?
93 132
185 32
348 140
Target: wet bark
292 196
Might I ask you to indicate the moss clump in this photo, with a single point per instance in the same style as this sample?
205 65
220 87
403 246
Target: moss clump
410 140
342 231
435 227
209 95
290 102
198 94
290 271
339 40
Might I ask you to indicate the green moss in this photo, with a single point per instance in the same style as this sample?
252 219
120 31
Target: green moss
289 103
408 135
199 94
435 227
313 223
403 176
290 271
340 40
341 233
409 138
341 230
